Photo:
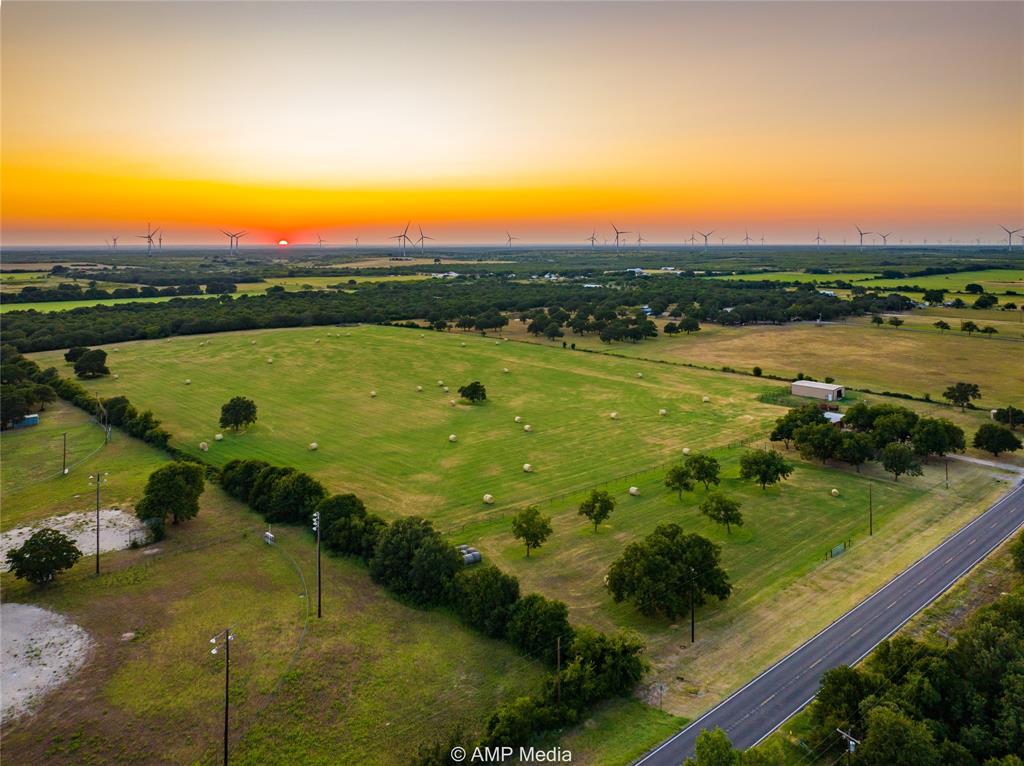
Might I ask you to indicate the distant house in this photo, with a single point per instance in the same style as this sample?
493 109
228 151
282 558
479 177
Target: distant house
829 293
591 285
835 418
830 392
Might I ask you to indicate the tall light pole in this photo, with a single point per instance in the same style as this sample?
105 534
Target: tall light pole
316 528
98 479
64 465
693 605
225 638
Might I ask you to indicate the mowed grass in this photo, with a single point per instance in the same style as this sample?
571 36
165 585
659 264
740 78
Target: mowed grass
368 683
394 450
997 281
855 353
800 276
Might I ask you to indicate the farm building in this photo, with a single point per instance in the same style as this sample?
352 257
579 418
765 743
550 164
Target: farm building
830 392
835 418
28 421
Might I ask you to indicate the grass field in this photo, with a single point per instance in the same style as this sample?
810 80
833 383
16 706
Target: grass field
855 353
393 451
997 281
800 276
366 684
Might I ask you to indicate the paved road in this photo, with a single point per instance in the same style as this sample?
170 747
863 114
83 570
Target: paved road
764 704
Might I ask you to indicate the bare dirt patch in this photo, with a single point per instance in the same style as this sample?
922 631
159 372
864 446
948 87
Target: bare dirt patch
41 650
117 531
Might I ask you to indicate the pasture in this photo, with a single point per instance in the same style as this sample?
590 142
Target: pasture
855 353
997 281
393 450
366 684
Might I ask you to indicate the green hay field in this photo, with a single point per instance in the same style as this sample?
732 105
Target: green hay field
393 450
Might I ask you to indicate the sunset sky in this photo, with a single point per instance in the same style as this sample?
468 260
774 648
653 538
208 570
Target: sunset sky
547 119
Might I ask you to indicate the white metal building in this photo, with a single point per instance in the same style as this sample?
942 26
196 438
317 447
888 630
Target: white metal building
830 392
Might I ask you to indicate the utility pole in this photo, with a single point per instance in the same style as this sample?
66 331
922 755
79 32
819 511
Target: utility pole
871 512
64 465
228 638
945 464
558 669
316 528
98 478
851 744
693 605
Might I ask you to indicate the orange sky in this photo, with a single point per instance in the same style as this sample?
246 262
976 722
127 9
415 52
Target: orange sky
548 119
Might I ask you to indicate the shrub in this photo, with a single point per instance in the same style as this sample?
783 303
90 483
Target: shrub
413 560
347 528
293 498
237 477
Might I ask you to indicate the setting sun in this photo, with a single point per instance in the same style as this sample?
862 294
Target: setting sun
282 243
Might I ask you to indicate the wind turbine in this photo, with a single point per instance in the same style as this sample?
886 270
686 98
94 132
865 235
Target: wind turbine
160 241
357 241
746 238
592 239
706 238
114 240
238 236
422 238
618 235
320 241
762 240
509 238
692 240
861 233
231 240
148 236
723 240
640 240
819 239
885 238
403 237
1009 236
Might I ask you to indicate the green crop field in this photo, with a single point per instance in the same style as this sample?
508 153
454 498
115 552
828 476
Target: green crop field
366 684
992 280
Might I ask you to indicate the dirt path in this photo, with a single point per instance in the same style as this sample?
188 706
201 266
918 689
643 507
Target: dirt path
117 531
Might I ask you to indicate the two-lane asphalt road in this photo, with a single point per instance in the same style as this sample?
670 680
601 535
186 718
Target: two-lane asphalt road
755 711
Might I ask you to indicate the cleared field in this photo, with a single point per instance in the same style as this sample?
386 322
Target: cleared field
393 450
855 353
366 684
800 276
69 305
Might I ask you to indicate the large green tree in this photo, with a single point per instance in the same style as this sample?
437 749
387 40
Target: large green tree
237 413
483 597
473 392
531 527
92 364
996 439
818 442
659 573
597 507
786 426
962 394
679 478
347 528
413 560
42 556
855 448
722 510
936 436
172 490
899 459
765 467
705 469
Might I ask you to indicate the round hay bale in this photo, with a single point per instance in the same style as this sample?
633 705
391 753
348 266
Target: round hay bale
639 374
463 345
204 446
445 389
419 388
115 350
252 342
527 468
686 450
497 343
835 493
313 446
116 376
270 360
440 382
504 369
991 413
373 394
706 399
614 416
317 340
634 491
518 419
218 438
528 428
663 412
489 499
453 438
188 381
451 402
